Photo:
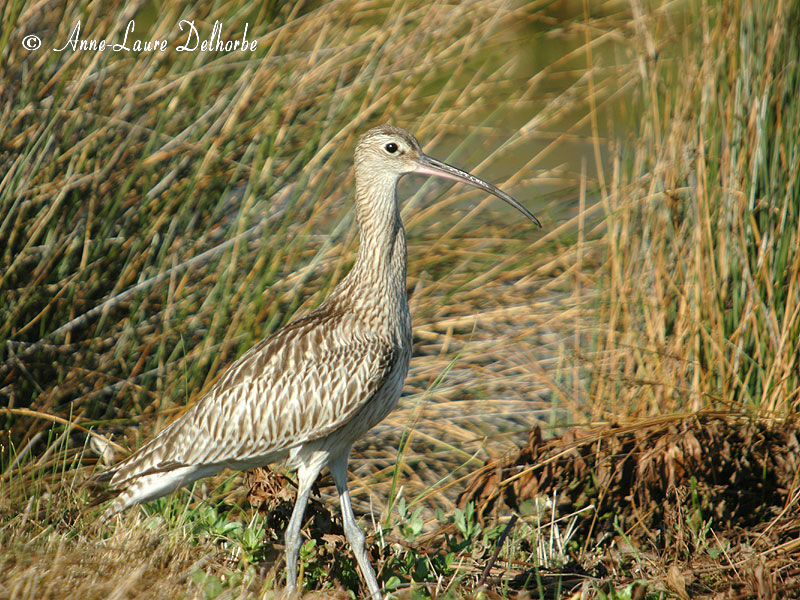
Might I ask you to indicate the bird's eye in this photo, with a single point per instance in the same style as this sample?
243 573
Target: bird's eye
391 147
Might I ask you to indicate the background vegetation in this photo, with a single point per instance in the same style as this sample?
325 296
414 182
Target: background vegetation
163 211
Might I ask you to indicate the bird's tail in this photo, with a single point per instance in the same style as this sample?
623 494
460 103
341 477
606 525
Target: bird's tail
154 484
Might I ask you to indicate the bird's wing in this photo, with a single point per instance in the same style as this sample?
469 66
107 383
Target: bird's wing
294 387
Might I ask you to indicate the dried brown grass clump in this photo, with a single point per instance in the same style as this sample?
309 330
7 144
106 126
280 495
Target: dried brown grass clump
693 490
273 494
737 471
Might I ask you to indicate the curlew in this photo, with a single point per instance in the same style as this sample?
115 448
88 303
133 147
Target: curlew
307 392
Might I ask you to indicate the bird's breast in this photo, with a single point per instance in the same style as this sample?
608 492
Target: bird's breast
382 402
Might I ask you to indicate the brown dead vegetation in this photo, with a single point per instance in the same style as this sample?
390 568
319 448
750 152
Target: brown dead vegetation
708 500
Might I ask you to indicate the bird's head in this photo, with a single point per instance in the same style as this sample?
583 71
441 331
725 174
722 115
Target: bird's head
388 150
391 152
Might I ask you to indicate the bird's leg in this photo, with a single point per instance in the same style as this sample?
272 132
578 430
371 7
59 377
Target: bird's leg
338 467
306 476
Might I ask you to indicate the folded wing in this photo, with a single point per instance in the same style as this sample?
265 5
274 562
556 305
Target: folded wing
299 385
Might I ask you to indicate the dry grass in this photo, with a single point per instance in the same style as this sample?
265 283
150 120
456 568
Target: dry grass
649 503
162 212
165 212
703 228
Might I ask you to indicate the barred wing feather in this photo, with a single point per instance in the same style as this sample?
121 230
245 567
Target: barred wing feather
292 388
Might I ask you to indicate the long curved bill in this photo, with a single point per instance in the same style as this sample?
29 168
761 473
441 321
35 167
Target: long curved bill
427 165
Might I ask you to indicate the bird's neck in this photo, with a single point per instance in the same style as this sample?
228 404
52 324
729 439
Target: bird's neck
378 278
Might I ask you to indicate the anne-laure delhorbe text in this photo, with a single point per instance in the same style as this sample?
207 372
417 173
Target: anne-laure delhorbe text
187 37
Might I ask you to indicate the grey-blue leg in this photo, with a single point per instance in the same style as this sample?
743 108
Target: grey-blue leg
338 467
306 476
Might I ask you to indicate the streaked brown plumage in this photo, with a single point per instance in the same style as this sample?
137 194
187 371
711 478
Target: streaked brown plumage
308 391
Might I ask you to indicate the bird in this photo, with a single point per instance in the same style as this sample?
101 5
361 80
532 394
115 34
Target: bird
307 392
